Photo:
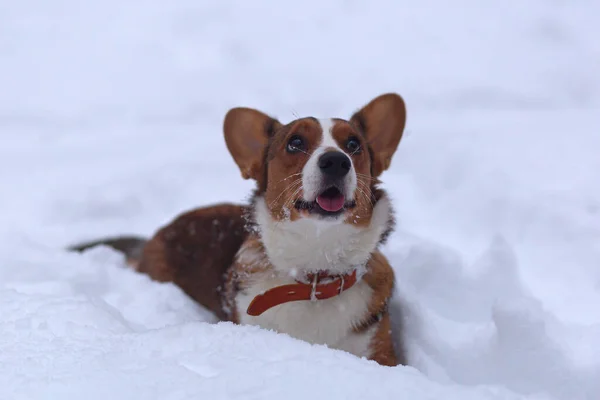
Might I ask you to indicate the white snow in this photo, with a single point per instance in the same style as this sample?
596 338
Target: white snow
110 122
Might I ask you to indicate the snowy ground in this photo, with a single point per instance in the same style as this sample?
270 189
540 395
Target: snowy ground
110 122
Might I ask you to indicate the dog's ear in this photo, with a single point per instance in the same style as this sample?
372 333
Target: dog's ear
382 121
247 132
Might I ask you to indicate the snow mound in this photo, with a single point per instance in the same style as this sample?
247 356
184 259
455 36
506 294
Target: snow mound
87 326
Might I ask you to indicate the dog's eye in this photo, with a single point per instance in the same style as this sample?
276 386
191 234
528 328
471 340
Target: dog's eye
353 145
295 144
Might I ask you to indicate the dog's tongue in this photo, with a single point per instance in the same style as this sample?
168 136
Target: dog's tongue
331 203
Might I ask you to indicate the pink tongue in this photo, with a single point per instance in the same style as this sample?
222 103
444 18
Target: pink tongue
331 204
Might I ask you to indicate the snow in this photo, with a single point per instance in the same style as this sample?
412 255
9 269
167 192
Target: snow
110 122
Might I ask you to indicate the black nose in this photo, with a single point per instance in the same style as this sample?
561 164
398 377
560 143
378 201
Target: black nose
334 164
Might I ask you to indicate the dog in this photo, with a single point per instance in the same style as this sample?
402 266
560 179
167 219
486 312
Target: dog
302 258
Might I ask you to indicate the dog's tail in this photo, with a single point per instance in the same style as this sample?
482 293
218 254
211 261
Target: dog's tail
130 246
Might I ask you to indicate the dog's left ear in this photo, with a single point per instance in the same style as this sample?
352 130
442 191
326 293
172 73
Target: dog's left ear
382 121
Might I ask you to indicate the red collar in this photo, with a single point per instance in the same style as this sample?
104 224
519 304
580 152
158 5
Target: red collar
302 291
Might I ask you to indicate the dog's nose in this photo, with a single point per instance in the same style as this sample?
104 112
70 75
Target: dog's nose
334 164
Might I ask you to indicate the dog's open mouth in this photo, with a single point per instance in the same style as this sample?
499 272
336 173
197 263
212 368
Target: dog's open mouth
330 202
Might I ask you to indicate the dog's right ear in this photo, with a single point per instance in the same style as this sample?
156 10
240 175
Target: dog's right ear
247 132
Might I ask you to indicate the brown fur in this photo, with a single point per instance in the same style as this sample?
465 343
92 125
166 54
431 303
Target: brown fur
382 345
283 174
130 246
195 251
380 277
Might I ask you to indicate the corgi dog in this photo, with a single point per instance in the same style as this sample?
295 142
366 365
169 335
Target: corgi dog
302 258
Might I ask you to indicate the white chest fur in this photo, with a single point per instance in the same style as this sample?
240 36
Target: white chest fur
307 244
328 322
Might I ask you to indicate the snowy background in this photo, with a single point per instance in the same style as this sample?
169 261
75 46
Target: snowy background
110 122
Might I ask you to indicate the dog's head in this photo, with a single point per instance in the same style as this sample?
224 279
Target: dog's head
323 169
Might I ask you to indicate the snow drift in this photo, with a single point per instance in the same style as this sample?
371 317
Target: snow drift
110 121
